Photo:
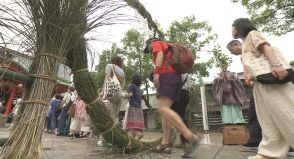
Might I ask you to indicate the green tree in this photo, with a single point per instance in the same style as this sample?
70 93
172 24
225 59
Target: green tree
272 16
137 61
219 59
195 35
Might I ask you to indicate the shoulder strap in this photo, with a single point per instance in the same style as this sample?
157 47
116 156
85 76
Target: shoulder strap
167 50
114 74
185 80
165 54
112 68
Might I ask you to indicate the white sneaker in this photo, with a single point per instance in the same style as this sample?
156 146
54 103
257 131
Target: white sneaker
258 157
99 143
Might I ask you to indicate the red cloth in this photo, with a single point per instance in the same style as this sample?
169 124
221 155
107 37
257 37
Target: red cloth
160 46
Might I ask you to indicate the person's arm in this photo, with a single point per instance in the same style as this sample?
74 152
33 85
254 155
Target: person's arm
158 64
267 50
159 59
262 46
277 69
130 92
157 48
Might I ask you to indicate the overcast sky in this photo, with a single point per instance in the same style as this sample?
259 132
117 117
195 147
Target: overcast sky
219 13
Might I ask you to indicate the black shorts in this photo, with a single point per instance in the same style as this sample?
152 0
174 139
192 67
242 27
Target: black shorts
170 86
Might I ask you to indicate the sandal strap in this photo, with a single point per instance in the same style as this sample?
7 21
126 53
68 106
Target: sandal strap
162 147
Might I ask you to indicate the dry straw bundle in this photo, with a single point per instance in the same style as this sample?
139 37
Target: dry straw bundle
54 30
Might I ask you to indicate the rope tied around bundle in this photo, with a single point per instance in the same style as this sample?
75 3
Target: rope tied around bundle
52 56
37 102
80 70
93 102
47 77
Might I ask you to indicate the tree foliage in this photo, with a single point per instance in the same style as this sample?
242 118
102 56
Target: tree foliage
191 33
194 34
219 59
137 61
272 16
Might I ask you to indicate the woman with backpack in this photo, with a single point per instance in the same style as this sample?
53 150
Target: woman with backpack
272 89
55 104
168 83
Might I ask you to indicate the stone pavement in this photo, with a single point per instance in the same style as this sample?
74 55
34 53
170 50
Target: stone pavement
55 147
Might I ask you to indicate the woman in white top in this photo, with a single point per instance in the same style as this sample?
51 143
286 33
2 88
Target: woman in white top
274 102
111 101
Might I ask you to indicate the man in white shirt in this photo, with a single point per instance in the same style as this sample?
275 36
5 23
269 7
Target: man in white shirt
64 120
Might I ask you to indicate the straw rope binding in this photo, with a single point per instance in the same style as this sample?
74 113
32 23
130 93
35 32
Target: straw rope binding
80 70
96 100
52 56
37 102
43 76
109 129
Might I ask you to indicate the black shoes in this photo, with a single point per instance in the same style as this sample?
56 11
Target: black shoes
60 134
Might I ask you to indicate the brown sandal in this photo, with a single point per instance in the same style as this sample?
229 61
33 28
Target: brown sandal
162 149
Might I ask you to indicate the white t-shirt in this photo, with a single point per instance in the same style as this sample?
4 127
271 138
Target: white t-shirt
66 98
118 71
188 83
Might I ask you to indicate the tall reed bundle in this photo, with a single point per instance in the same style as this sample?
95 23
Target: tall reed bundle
55 29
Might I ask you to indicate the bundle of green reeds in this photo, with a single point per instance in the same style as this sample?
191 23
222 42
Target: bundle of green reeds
100 117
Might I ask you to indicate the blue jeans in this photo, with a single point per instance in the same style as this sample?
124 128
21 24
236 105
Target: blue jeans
62 124
53 119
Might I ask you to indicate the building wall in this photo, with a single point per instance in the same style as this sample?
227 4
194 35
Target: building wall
65 72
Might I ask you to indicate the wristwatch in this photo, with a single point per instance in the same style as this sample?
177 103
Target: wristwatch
277 65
